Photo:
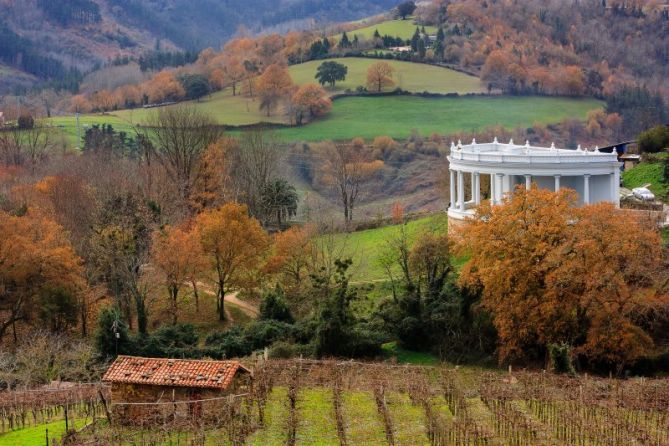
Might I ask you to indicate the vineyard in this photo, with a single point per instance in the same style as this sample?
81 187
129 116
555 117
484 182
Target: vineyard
348 403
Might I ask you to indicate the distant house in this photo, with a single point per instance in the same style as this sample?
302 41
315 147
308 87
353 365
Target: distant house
400 49
146 390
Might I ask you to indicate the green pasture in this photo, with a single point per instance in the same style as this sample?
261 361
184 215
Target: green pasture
408 76
37 435
366 248
394 116
648 173
398 116
395 28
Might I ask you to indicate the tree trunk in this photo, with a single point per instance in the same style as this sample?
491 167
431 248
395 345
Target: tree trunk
221 300
174 292
196 295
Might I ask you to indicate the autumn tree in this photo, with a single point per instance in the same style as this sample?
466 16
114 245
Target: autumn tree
552 273
310 100
347 168
234 243
180 136
273 85
380 76
294 252
37 262
177 255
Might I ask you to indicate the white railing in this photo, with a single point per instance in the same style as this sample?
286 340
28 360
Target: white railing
549 158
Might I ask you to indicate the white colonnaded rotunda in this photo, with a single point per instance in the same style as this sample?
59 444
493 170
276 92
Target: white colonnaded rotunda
594 175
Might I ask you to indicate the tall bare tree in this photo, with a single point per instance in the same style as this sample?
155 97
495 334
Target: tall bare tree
181 135
254 163
347 167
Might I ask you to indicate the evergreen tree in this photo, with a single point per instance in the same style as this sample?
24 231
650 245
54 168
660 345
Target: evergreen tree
330 72
344 42
421 49
415 39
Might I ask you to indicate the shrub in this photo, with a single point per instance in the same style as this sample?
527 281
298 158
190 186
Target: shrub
111 336
654 139
273 307
26 122
229 344
560 356
263 333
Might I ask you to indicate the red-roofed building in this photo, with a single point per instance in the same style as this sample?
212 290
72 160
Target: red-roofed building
143 389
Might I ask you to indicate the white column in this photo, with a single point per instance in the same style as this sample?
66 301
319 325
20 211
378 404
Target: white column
473 186
501 189
477 188
615 183
528 182
586 189
461 191
492 189
452 185
557 183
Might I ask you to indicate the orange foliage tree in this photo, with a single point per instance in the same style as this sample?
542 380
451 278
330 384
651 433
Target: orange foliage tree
35 258
272 86
234 243
294 251
380 76
178 255
552 273
312 101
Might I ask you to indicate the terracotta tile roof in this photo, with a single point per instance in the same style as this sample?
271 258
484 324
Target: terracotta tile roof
173 372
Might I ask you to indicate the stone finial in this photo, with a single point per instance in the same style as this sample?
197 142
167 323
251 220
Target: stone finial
473 141
511 142
452 146
495 140
597 149
459 144
527 143
579 148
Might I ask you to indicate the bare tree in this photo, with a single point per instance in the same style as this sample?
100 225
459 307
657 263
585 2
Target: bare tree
347 167
181 135
254 163
19 147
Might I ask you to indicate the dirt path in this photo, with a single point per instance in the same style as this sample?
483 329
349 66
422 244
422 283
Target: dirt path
250 310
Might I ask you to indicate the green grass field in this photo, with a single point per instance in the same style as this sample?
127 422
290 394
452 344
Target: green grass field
397 116
36 435
408 76
394 28
648 172
367 247
394 116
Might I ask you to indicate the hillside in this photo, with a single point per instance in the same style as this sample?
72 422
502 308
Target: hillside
46 38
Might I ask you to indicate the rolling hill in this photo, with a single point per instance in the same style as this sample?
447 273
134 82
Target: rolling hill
37 36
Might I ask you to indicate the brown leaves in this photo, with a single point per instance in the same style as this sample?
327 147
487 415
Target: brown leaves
551 272
380 76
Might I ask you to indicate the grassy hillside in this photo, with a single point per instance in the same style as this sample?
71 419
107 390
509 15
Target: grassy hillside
367 247
395 28
368 117
648 172
398 116
408 76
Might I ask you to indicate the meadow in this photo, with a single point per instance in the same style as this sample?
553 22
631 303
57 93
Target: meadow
650 172
366 248
399 116
394 116
413 77
394 28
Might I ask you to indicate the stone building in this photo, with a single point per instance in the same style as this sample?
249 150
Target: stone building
155 390
594 175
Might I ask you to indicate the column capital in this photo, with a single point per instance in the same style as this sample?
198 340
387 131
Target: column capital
586 175
557 175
